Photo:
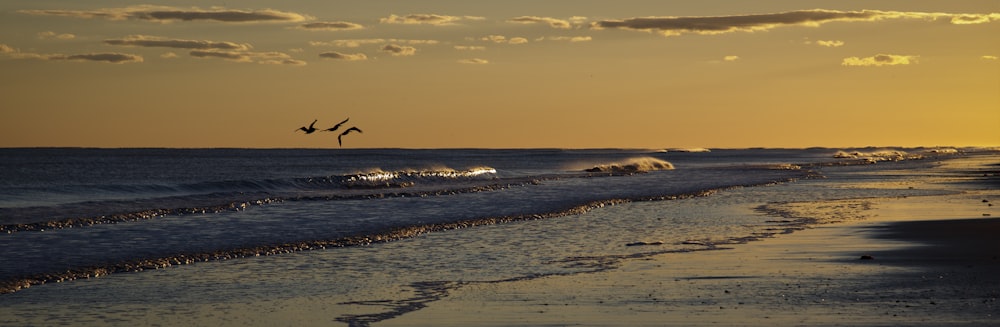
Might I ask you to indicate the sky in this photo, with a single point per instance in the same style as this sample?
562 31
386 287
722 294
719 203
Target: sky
500 74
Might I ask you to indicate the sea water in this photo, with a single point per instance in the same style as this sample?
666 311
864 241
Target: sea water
380 232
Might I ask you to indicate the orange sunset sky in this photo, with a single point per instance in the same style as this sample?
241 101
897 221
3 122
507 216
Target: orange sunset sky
500 74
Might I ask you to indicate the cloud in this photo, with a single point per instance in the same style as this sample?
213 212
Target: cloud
880 60
553 22
399 50
115 58
474 61
354 43
228 55
670 26
830 44
330 26
517 40
428 19
276 58
155 41
53 35
504 39
989 57
566 38
108 57
273 58
169 14
343 56
168 55
731 58
469 47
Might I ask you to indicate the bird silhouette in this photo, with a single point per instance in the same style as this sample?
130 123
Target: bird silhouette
335 127
352 129
310 129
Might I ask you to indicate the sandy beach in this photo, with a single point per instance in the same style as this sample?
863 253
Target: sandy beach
928 261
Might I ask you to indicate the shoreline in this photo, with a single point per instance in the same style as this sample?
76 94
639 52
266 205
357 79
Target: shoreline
927 268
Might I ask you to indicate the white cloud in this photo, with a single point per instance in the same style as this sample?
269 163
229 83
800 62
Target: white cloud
428 19
830 43
330 26
880 60
474 61
567 38
53 35
469 47
273 58
989 57
553 22
731 58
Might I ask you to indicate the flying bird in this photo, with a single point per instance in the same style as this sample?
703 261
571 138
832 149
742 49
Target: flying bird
339 141
310 129
335 127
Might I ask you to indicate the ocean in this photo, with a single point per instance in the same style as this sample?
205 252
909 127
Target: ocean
376 233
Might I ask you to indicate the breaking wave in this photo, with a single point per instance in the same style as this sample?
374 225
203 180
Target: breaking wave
877 156
378 178
633 165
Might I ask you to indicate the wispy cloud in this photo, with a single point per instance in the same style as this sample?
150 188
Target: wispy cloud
107 57
880 60
987 57
474 61
169 14
566 38
427 19
343 56
469 47
553 22
156 41
113 57
830 43
354 43
504 39
731 58
331 26
399 50
53 35
670 26
274 58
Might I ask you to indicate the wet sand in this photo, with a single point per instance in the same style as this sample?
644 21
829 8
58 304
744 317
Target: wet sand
933 262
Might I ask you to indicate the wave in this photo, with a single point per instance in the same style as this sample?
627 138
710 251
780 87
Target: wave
696 150
378 178
877 156
633 165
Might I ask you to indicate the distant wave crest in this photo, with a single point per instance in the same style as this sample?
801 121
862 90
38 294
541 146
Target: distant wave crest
634 165
876 156
379 178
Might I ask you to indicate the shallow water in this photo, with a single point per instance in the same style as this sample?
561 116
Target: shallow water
365 284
